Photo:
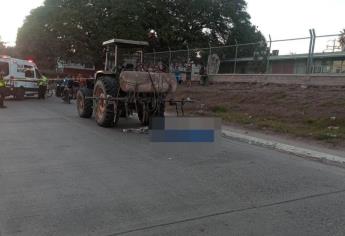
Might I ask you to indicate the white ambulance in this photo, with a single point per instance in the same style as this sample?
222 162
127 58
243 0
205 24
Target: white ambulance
21 76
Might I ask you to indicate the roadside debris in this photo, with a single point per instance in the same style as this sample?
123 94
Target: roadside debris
142 130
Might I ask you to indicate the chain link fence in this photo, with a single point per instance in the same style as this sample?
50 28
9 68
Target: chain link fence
304 55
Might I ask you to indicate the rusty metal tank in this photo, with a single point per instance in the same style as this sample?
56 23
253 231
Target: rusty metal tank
137 81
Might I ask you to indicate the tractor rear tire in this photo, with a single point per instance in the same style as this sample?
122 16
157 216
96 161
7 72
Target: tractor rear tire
106 113
84 105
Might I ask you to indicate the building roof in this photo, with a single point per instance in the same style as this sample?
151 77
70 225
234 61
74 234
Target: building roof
76 66
330 55
123 42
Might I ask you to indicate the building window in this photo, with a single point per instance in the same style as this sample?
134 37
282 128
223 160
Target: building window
337 67
326 67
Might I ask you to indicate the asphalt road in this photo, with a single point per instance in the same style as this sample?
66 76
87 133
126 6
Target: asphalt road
61 175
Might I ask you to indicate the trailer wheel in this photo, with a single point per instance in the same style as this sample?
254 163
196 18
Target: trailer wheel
84 105
145 116
106 113
19 94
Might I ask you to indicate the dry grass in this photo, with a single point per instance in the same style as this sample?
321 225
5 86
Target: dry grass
316 113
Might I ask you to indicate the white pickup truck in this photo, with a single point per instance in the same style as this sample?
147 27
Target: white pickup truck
21 76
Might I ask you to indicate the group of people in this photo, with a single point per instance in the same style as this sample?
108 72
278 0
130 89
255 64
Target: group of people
68 87
188 72
43 81
2 90
42 88
70 82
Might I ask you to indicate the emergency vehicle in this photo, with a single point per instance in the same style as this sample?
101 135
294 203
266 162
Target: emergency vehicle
21 76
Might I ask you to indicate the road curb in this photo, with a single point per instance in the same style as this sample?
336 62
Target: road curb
302 152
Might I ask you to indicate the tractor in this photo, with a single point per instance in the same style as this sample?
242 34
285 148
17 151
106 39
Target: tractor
125 86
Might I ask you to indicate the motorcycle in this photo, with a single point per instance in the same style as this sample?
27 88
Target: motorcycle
70 90
59 89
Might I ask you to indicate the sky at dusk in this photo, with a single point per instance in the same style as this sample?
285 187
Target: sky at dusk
280 18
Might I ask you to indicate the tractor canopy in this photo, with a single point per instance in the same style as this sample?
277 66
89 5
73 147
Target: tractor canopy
123 53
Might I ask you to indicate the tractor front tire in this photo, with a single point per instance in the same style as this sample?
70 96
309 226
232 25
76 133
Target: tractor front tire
84 105
106 113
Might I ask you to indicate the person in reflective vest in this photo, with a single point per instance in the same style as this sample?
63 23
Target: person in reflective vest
2 90
42 87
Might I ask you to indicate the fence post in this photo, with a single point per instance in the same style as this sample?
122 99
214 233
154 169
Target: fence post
154 57
169 59
106 59
209 45
236 54
269 54
312 51
116 56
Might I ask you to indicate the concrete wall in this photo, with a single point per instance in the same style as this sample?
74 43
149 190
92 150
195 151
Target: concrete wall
318 80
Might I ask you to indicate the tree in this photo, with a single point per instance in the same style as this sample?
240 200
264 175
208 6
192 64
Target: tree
75 29
342 40
2 47
37 40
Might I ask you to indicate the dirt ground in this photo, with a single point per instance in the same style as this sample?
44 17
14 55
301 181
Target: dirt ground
311 113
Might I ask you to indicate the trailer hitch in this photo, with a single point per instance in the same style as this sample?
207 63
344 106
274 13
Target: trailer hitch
142 130
179 104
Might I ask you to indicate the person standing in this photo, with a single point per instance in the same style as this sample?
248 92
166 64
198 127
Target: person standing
203 75
76 85
189 74
2 90
82 81
177 74
42 87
